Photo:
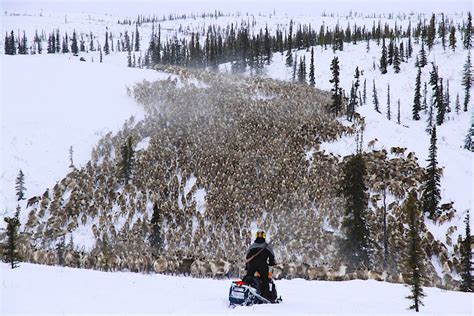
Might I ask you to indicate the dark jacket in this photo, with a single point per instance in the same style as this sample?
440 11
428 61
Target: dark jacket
266 257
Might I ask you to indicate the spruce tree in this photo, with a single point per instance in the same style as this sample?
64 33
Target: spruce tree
11 254
467 80
137 39
417 98
440 116
383 59
71 153
431 185
396 60
267 43
375 99
74 46
442 31
430 119
311 69
155 239
398 112
424 105
389 112
302 71
336 105
20 185
468 32
469 140
415 258
364 92
452 38
466 259
289 53
431 32
390 52
423 58
106 45
458 104
356 246
447 98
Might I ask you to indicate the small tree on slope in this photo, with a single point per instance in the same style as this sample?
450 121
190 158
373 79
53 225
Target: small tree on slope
356 246
11 250
415 258
430 188
466 259
20 185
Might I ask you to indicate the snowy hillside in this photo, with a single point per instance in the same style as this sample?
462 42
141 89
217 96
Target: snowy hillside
35 289
213 164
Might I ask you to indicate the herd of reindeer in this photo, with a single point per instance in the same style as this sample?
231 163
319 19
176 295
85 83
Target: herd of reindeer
216 157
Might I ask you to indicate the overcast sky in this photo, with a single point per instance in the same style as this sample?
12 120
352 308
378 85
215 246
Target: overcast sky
132 7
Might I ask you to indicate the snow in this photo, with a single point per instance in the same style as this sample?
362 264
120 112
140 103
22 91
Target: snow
143 144
35 289
52 102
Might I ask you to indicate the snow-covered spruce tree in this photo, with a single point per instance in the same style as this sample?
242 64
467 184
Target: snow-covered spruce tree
440 116
155 239
430 120
437 96
398 113
469 140
389 112
267 44
442 31
431 186
20 185
468 32
364 92
452 38
336 105
415 258
466 259
356 246
447 98
74 46
396 60
417 99
431 32
423 58
375 99
137 39
424 104
383 58
71 161
11 254
467 80
106 44
295 72
390 52
289 42
302 71
457 106
311 69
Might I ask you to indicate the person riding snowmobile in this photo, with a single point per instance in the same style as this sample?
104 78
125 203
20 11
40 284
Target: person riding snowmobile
259 256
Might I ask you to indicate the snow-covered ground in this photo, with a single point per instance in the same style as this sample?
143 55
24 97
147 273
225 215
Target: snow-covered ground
52 102
35 289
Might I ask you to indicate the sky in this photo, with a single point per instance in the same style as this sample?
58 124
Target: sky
133 7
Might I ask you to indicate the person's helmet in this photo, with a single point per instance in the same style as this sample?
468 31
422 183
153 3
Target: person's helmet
260 233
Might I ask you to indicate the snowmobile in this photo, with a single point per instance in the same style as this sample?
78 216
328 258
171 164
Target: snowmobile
247 292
